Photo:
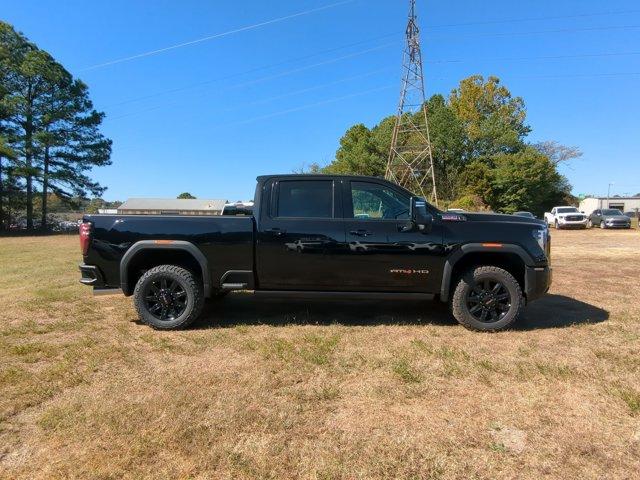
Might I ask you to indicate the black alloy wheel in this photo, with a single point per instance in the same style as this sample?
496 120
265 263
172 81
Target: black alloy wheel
487 298
165 299
168 297
488 301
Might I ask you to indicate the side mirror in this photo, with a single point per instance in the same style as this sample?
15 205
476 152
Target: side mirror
421 219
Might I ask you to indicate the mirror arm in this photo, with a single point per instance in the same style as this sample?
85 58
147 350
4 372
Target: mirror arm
409 227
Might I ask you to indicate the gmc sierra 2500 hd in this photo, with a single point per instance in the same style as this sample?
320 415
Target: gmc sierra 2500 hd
321 233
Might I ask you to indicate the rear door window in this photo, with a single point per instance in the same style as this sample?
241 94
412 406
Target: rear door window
305 199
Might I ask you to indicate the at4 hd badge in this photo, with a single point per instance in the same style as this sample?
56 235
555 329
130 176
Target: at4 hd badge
409 271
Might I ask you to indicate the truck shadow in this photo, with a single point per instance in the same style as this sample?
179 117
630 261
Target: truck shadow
559 311
552 311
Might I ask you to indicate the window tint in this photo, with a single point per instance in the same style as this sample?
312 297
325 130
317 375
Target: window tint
373 201
307 199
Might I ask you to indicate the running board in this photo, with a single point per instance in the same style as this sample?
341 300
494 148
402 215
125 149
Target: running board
98 292
342 295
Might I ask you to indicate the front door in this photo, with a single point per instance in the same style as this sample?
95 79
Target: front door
301 240
383 254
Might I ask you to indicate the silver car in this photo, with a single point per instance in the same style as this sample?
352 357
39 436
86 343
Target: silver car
609 218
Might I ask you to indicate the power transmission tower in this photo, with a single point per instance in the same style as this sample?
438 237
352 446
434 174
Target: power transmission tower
410 161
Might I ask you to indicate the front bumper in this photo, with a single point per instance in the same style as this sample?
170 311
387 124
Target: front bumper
572 223
537 281
610 224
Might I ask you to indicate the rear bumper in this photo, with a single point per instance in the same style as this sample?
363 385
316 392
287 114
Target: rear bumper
537 281
91 275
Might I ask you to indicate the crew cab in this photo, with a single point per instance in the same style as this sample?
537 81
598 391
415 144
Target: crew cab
337 235
566 217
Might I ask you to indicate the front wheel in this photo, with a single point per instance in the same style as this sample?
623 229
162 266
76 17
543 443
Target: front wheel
487 298
557 225
168 297
589 224
602 225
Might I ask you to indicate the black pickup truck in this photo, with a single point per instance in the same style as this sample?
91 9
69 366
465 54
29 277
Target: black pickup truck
339 235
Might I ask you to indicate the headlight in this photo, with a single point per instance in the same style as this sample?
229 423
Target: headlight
540 234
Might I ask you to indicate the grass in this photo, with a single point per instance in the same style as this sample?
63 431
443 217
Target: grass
266 388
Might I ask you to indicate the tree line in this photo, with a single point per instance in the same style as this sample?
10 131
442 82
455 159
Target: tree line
482 158
49 132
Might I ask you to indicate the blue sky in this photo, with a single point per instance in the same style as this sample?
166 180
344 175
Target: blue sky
209 117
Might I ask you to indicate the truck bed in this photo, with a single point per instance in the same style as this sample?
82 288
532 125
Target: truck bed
229 239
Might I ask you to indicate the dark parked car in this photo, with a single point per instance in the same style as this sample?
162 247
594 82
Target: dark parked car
339 235
525 214
609 218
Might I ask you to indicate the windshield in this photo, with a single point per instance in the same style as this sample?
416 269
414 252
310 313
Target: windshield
611 211
567 210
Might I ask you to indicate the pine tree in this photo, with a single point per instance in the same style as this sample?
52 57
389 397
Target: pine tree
55 129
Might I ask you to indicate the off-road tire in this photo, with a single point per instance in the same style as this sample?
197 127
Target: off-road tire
459 302
186 280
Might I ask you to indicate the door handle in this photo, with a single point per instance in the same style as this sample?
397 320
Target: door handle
361 233
278 232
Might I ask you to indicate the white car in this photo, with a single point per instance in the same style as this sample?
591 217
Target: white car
566 217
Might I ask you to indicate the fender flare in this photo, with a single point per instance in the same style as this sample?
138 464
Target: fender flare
164 245
473 248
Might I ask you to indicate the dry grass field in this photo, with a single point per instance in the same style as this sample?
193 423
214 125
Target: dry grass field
269 388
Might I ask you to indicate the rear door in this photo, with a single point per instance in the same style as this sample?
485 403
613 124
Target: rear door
382 254
301 240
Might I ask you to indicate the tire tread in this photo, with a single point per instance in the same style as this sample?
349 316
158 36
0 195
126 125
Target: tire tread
458 300
192 284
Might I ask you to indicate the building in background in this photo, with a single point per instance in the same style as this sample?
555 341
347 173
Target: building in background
171 206
624 204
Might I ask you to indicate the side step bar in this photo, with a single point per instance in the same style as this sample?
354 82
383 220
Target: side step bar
98 292
342 295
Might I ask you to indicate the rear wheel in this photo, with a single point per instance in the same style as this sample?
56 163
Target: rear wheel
487 298
168 297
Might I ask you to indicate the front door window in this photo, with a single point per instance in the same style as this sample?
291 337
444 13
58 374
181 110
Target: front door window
376 202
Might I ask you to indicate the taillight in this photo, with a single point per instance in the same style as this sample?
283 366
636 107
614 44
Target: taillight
85 237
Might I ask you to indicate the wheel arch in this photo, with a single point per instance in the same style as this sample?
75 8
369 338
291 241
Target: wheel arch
512 258
146 254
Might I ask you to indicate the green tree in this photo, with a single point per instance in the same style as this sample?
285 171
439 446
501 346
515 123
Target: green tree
55 127
6 152
494 120
70 143
448 146
358 154
186 195
526 180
